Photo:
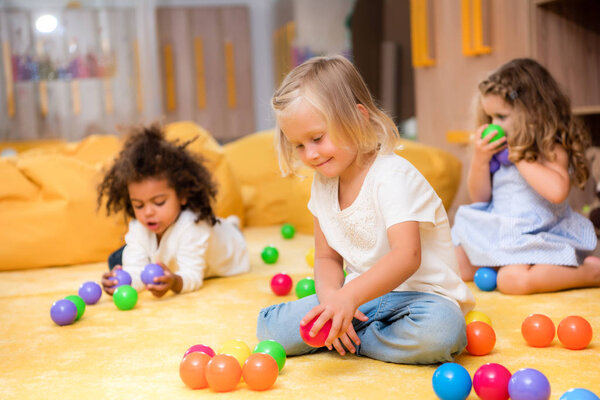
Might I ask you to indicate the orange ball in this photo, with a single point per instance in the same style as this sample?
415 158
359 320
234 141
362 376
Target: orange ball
260 371
223 373
192 369
481 338
574 332
538 330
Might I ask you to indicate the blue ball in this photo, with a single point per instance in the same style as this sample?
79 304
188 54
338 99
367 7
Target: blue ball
150 272
90 292
122 278
451 381
529 384
485 279
579 394
63 312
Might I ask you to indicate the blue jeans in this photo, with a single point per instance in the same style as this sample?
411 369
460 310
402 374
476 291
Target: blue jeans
403 327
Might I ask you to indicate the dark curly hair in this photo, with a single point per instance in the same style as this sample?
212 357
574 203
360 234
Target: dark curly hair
148 154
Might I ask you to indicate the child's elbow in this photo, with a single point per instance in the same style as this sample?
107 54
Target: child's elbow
557 196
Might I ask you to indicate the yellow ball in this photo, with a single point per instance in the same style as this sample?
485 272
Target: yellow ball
477 316
310 257
237 349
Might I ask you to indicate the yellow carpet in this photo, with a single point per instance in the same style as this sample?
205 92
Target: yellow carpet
112 354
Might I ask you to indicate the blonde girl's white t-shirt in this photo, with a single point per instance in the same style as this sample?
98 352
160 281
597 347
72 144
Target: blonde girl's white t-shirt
193 250
393 191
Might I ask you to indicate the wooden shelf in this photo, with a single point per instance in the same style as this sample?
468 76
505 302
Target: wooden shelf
587 110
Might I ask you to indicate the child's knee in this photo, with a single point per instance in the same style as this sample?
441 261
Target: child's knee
512 281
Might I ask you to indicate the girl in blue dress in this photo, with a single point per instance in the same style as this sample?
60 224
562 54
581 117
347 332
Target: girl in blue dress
520 220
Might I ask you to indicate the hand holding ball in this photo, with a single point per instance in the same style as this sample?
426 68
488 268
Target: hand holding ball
319 339
150 272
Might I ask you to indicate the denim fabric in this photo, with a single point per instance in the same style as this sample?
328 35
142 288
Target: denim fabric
403 327
115 258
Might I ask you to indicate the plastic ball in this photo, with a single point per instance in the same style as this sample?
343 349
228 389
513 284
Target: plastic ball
274 349
319 339
477 316
63 312
260 371
288 231
125 297
270 254
538 330
574 332
451 381
90 292
494 165
122 277
485 279
493 128
310 257
150 272
192 370
281 284
201 349
223 373
579 394
305 287
528 384
502 157
490 382
481 338
79 303
237 349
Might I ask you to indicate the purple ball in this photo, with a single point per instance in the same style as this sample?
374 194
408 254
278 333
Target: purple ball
529 384
63 312
494 164
122 278
502 157
90 292
150 272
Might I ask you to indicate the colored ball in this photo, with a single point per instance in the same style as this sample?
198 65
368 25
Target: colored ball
319 339
502 157
90 292
260 371
494 165
125 297
305 287
528 384
485 279
122 277
579 394
79 303
237 349
451 381
200 348
150 272
477 316
223 373
481 338
574 332
192 370
270 255
538 330
490 382
274 349
493 128
281 284
63 312
310 257
288 231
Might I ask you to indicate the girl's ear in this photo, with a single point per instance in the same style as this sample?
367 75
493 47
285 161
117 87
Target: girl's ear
363 110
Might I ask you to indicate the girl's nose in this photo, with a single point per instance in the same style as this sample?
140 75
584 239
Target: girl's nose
311 152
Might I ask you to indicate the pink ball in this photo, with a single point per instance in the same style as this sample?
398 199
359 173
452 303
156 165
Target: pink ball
320 337
491 382
281 284
201 349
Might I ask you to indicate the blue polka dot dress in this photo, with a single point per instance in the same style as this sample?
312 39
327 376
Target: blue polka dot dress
518 226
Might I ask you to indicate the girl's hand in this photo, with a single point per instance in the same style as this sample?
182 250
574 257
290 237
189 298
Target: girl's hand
108 284
162 284
483 149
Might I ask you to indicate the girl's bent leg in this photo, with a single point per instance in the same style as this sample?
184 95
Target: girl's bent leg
413 328
281 322
467 270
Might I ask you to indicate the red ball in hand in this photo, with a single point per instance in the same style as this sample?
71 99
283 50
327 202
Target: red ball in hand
319 339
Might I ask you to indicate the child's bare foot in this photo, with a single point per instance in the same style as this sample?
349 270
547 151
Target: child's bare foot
592 265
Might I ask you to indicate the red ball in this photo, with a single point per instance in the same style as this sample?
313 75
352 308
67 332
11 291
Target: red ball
575 332
481 338
201 348
281 284
192 370
260 371
320 337
491 382
538 330
223 373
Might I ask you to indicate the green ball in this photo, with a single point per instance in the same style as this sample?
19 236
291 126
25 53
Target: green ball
274 349
493 128
125 297
270 255
288 231
305 287
79 303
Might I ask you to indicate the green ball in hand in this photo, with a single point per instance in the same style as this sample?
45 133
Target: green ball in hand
491 128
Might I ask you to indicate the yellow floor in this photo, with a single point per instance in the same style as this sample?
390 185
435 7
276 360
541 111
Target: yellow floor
112 354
